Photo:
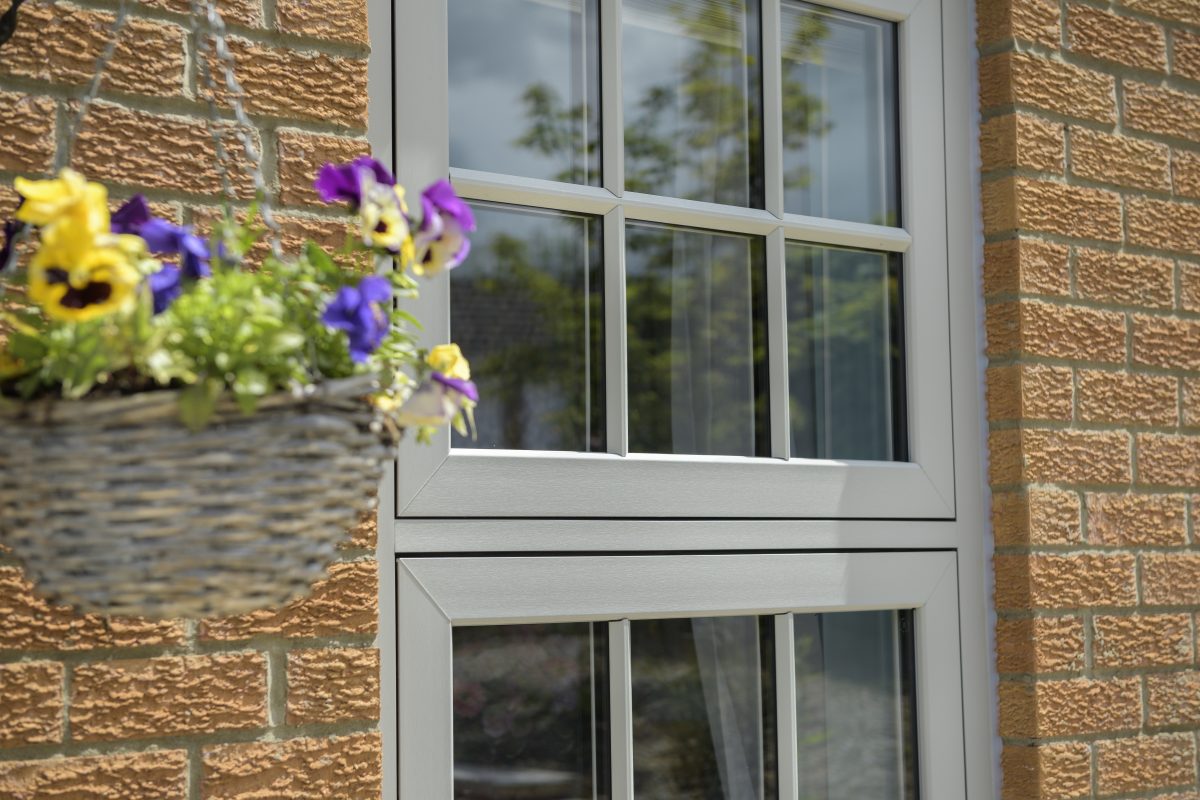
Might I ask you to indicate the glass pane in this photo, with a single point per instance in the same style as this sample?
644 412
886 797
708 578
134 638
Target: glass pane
845 354
691 77
697 342
528 311
702 698
529 712
840 125
524 88
855 710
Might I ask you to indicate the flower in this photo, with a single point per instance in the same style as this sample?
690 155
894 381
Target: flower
165 286
448 360
437 401
441 241
67 198
163 237
355 311
384 219
82 275
131 216
458 385
345 181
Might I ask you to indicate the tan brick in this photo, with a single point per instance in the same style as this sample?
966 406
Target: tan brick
323 19
280 82
1191 401
1189 286
167 696
29 623
136 148
1166 342
1186 53
28 133
1129 398
1177 10
1071 707
1136 520
1145 762
1040 644
1108 158
1168 459
1035 328
1162 111
1109 37
59 43
1163 224
1170 579
344 603
31 703
1024 79
1029 266
364 535
1173 699
1058 456
1124 279
1185 173
1030 20
1029 391
240 12
1054 581
1059 771
1027 204
1022 140
301 156
346 768
329 685
1036 517
156 775
1142 640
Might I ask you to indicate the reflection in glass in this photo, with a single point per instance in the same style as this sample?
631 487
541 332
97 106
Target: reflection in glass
529 314
524 88
845 354
855 706
691 77
840 124
529 712
697 342
702 698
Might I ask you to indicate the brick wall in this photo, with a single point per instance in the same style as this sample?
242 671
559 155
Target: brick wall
269 705
1091 195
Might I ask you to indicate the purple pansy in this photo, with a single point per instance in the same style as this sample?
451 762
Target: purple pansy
441 240
356 310
163 237
131 216
165 286
345 182
466 388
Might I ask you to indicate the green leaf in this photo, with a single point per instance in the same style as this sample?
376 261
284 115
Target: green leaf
198 402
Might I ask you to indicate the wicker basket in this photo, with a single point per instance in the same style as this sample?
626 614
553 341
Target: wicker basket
115 507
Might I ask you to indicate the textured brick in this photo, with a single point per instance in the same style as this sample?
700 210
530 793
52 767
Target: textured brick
323 19
302 154
1163 224
344 603
1107 158
1176 10
1059 771
60 43
1170 579
1022 140
1163 111
1121 397
136 148
1029 391
1109 37
341 768
240 12
1185 173
1145 762
28 133
1027 204
167 696
329 685
1029 266
1035 328
1166 342
1168 459
1070 707
156 775
1124 279
28 623
1029 20
1039 644
1142 640
1191 401
1036 517
1053 581
364 535
1059 456
1186 53
31 703
301 85
1136 520
1023 79
1173 699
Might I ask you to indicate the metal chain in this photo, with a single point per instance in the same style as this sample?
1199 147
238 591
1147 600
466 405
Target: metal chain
62 158
210 96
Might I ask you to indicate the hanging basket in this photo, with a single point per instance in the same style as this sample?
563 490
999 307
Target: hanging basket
115 507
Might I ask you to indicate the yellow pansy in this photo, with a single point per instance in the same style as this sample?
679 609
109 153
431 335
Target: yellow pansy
83 277
384 219
67 201
448 360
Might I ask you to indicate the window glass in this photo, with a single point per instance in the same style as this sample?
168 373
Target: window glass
528 309
524 88
696 343
840 124
691 78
